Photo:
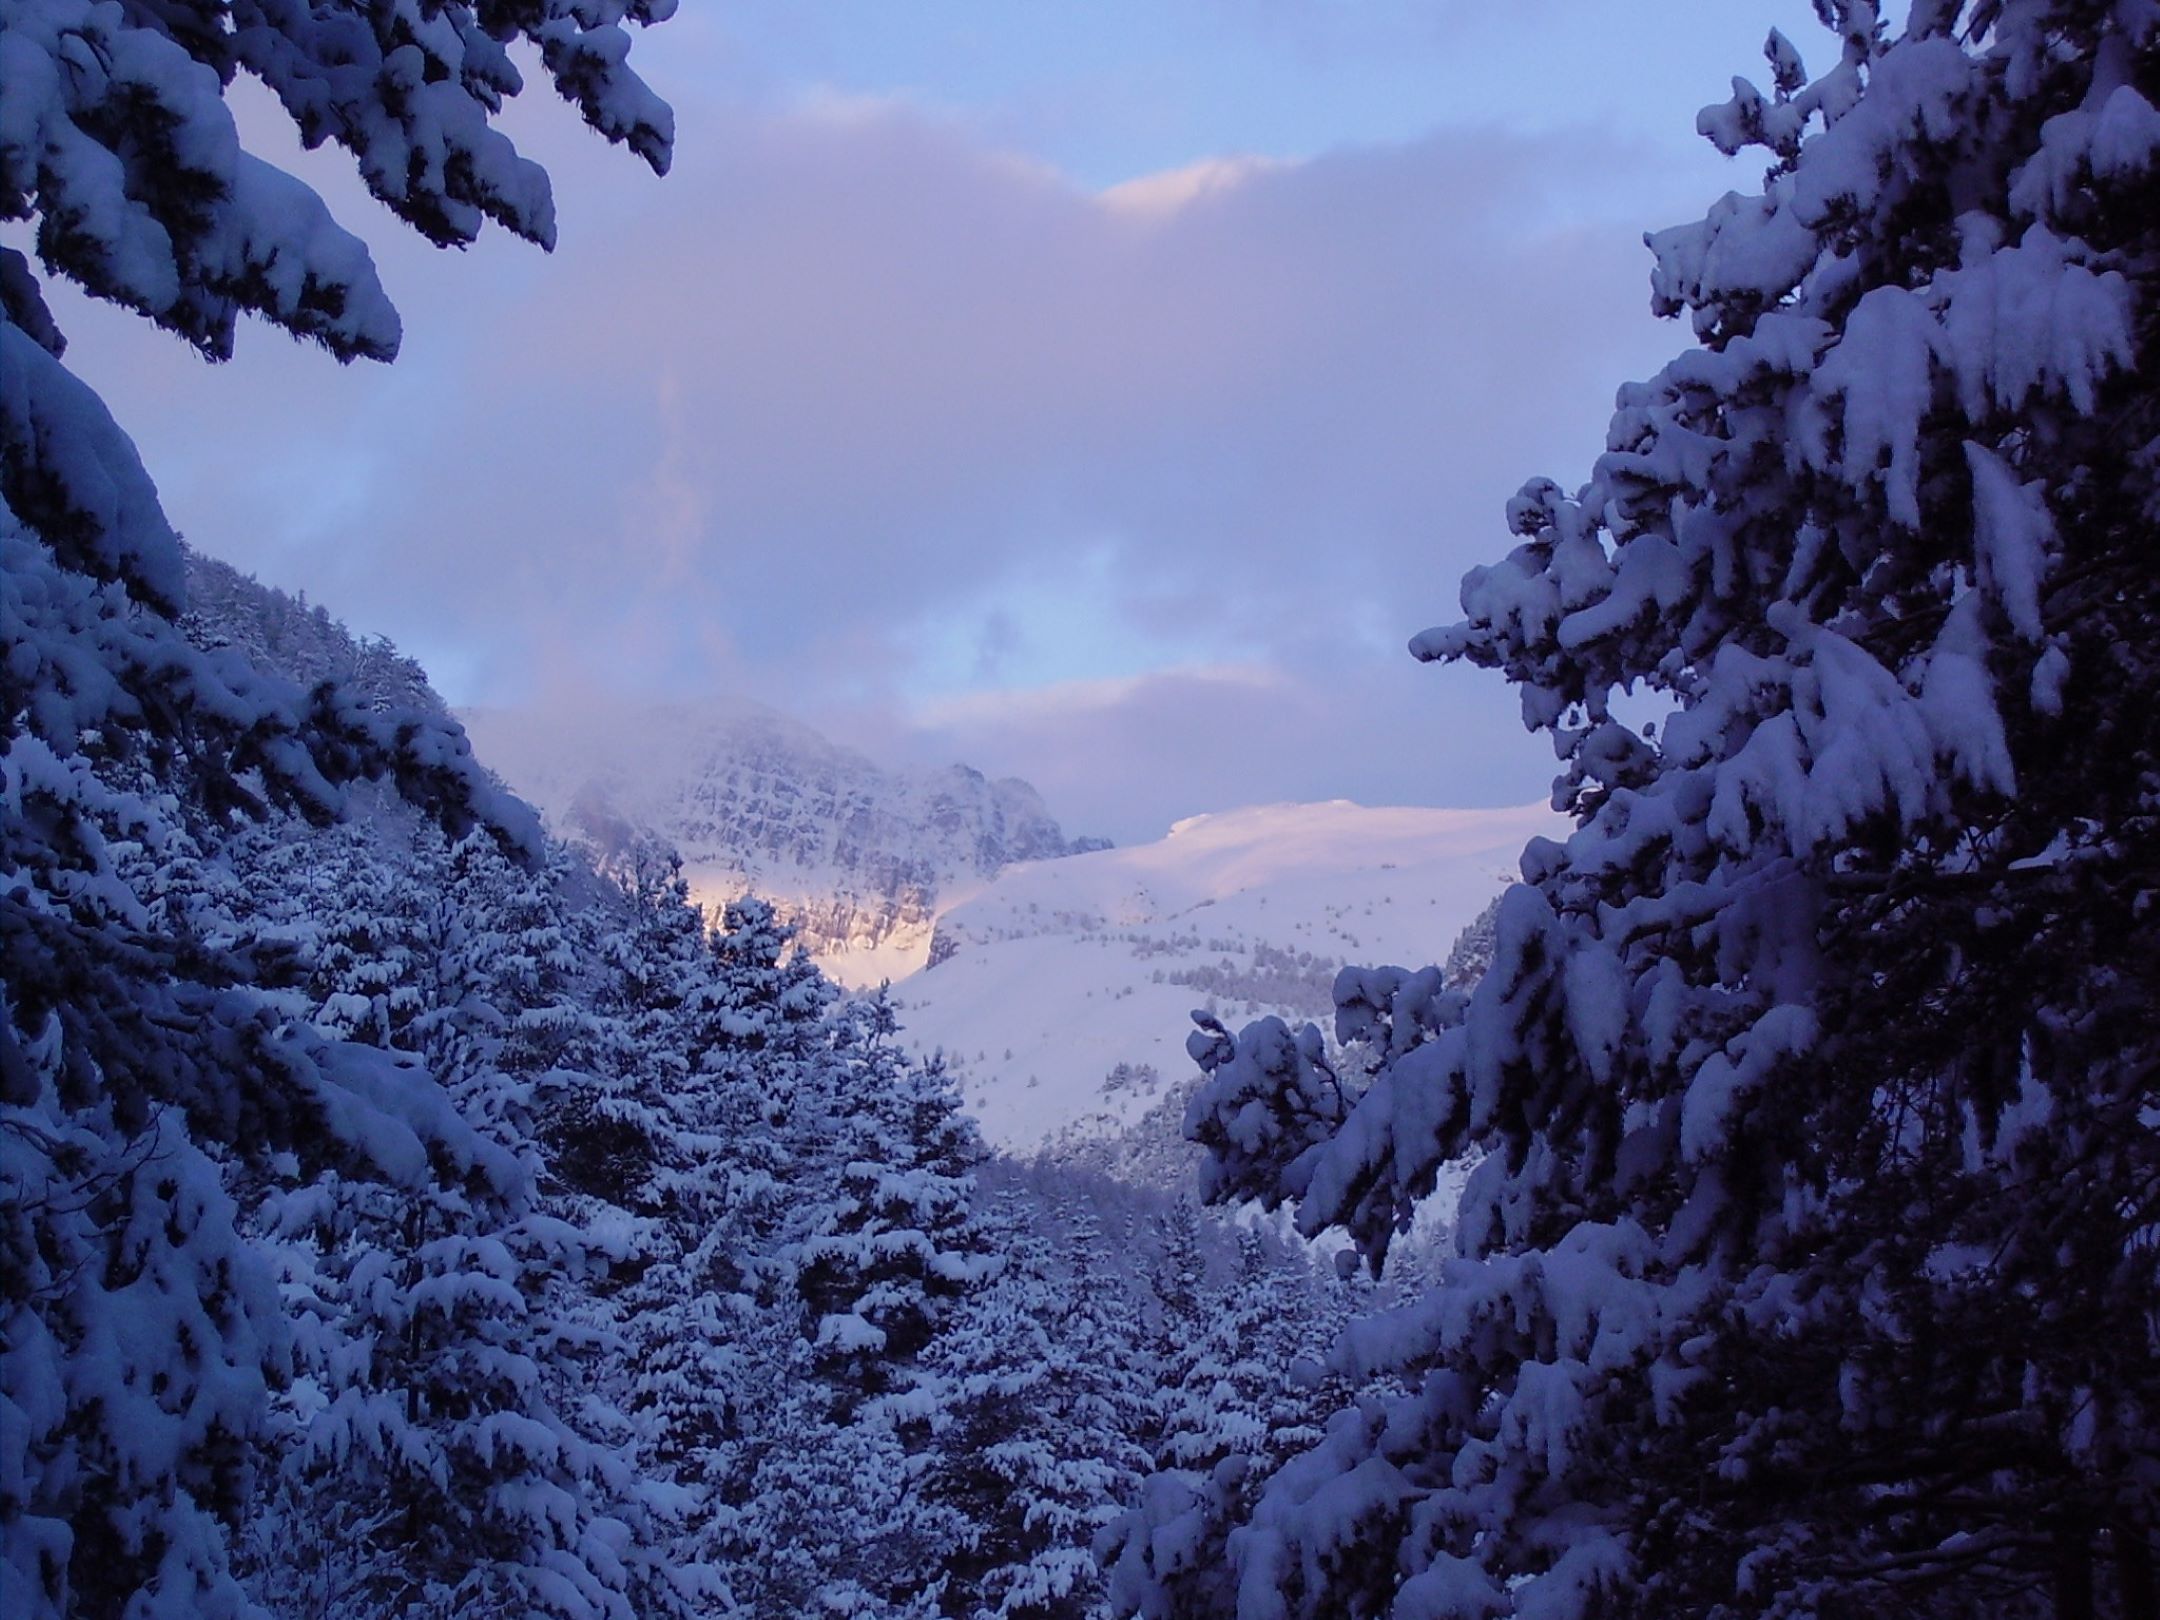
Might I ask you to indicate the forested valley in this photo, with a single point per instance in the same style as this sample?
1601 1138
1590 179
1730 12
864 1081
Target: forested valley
407 1212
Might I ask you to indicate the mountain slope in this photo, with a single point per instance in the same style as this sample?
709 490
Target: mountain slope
858 859
305 644
1061 993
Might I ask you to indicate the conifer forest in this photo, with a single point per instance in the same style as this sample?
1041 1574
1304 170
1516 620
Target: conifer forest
414 1207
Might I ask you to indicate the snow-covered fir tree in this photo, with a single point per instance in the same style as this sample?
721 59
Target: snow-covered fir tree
1242 1388
1042 1395
1808 1268
823 1513
426 1456
150 1067
902 1243
1238 1386
1178 1276
716 1335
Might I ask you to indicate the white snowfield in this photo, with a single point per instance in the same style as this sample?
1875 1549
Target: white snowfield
1058 972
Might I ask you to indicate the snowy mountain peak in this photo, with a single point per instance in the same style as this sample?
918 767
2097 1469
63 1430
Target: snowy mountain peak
857 857
1061 992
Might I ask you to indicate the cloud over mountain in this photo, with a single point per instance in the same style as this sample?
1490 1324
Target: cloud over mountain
863 412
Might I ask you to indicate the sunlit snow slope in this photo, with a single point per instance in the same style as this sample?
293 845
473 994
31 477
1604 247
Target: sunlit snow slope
856 858
1062 992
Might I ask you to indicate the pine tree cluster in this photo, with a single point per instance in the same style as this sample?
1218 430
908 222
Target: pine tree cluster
403 1214
1807 1268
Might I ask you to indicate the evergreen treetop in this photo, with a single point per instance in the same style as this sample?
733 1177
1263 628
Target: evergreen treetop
1806 1270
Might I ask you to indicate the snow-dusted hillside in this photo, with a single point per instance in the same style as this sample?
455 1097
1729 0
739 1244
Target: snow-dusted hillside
1061 993
1059 980
857 858
229 609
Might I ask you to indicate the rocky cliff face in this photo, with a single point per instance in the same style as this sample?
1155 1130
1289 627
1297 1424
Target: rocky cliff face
858 858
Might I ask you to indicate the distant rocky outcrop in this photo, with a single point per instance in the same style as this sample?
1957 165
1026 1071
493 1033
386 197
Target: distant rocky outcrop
857 858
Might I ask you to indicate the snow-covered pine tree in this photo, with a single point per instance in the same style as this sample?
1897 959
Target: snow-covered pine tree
370 929
750 1120
1242 1390
820 1514
439 1324
1035 1438
836 1183
605 1124
764 1023
900 1243
764 996
742 1148
433 1469
141 1337
1232 1389
1179 1274
1809 1267
1472 952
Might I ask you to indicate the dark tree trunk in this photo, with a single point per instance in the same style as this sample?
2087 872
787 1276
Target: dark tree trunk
2073 1574
2134 1572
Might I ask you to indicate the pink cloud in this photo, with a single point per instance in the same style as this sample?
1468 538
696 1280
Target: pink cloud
765 426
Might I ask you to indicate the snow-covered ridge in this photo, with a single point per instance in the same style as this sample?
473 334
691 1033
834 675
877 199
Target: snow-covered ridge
857 858
1063 986
302 642
1061 993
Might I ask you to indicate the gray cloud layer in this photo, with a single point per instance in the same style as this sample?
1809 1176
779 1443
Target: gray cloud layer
864 417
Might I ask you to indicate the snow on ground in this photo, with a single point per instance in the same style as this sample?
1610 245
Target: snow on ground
1062 992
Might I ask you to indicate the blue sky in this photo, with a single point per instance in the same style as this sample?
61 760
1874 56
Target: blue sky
1118 88
1098 393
